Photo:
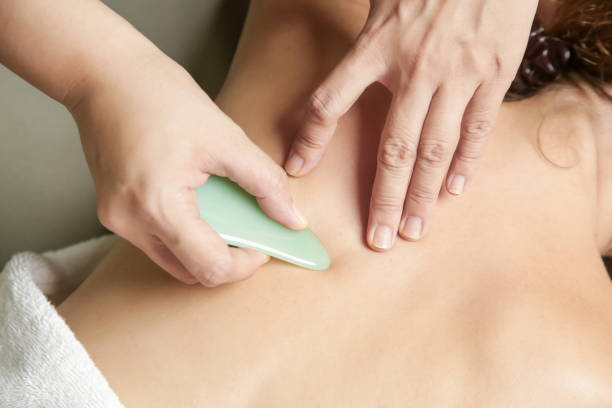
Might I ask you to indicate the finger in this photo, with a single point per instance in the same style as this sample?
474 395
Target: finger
162 256
438 142
261 177
476 126
396 156
153 247
203 253
358 69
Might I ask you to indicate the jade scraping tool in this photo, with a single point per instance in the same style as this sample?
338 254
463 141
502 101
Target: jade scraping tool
235 215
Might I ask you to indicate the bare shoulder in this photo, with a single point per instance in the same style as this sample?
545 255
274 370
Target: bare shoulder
558 352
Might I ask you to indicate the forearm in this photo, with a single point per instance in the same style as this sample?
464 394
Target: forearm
60 46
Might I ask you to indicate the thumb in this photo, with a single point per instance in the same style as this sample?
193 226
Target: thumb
333 98
261 177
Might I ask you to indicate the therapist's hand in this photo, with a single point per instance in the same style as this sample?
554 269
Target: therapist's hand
151 136
449 64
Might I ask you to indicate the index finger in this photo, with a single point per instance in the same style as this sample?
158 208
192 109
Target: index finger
203 252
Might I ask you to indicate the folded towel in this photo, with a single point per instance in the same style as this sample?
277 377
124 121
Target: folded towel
59 273
42 364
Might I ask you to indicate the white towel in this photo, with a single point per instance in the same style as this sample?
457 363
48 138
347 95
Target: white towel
42 364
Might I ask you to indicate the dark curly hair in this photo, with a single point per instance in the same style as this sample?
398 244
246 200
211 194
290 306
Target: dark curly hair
577 46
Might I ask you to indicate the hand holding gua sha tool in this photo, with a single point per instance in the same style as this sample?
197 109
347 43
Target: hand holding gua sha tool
235 215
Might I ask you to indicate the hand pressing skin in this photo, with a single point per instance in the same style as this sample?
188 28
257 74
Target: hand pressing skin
150 138
448 64
149 133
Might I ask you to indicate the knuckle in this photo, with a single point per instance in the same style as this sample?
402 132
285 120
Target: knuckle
499 68
320 106
421 196
420 65
311 141
473 140
476 131
468 155
213 274
145 206
481 64
278 180
472 61
397 153
405 12
434 153
428 63
387 204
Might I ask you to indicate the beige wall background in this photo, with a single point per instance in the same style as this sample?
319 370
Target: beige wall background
47 197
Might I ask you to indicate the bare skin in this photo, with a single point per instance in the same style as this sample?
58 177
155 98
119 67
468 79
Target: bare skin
127 96
448 64
505 303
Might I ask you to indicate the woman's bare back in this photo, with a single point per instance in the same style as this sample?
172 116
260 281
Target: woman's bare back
505 303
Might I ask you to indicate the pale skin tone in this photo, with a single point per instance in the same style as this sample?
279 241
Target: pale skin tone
448 65
504 304
151 135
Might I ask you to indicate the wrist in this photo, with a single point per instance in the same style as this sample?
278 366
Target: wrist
109 68
110 91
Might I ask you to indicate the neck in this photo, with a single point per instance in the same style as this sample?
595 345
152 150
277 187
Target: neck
516 190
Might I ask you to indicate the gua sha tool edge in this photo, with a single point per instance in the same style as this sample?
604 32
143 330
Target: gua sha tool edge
235 215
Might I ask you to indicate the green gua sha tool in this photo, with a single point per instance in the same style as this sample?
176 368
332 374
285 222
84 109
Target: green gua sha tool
236 216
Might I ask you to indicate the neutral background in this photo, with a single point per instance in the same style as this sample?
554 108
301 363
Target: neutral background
47 197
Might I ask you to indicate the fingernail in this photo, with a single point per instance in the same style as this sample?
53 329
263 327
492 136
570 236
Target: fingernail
456 184
412 228
294 165
382 237
300 216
